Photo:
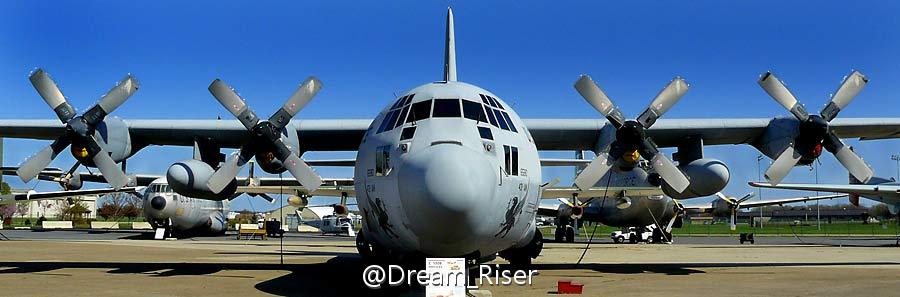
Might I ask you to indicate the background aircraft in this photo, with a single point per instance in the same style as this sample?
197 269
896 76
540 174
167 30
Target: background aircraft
880 189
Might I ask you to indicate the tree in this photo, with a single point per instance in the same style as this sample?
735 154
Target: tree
22 208
881 211
7 211
118 205
4 189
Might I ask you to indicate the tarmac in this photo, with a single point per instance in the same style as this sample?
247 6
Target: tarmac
79 263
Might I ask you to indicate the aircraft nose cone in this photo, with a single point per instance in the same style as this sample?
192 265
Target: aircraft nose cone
158 203
444 189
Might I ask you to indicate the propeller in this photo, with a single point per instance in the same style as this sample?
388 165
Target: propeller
631 140
80 129
576 206
733 205
815 132
265 136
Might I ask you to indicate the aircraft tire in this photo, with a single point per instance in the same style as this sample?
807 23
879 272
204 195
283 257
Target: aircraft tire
560 234
570 234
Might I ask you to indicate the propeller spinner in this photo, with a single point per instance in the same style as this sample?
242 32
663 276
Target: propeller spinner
815 132
265 136
631 138
80 129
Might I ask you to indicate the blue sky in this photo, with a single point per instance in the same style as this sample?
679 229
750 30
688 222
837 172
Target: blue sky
528 52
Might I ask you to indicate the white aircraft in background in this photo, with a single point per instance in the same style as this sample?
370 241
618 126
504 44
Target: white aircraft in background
176 214
449 169
879 189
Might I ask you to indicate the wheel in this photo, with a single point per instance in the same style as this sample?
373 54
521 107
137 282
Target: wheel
570 234
364 248
633 238
537 244
619 239
560 234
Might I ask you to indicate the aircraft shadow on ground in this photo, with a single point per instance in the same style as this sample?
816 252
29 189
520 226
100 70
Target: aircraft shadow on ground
338 276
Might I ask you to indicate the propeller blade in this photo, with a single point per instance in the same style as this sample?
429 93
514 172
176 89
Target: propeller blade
118 94
746 197
722 196
669 172
303 173
566 202
296 102
782 95
594 171
233 103
852 85
593 95
51 94
229 170
37 162
849 159
782 165
114 175
663 102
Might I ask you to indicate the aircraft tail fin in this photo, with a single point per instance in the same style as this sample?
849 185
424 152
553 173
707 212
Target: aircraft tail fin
450 49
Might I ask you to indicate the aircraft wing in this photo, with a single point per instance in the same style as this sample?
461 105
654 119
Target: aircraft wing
568 192
326 190
548 134
57 174
33 195
849 189
549 210
582 134
751 204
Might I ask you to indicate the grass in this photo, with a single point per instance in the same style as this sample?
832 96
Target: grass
772 228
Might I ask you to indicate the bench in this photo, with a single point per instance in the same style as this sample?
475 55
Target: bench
104 225
56 224
141 226
250 231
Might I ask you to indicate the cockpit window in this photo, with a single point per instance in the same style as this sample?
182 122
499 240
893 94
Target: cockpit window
408 133
409 99
485 133
486 99
446 108
500 120
419 111
388 120
473 111
495 102
402 117
509 121
490 115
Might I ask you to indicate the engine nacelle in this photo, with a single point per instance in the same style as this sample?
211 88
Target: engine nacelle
114 138
72 183
265 156
707 177
189 178
216 224
782 132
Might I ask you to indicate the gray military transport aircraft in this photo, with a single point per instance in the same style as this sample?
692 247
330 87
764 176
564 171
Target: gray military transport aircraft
178 215
884 190
449 169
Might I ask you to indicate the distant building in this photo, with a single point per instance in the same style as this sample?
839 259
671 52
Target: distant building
50 208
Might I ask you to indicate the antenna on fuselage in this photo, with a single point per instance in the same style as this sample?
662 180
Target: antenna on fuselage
450 49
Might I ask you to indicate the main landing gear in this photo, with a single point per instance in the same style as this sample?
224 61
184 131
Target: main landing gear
564 232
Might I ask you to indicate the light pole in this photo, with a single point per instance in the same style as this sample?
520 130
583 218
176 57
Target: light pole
759 159
897 159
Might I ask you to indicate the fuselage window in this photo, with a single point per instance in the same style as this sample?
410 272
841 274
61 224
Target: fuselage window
509 122
485 133
408 133
511 155
383 160
500 120
473 111
446 108
419 111
490 115
402 118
